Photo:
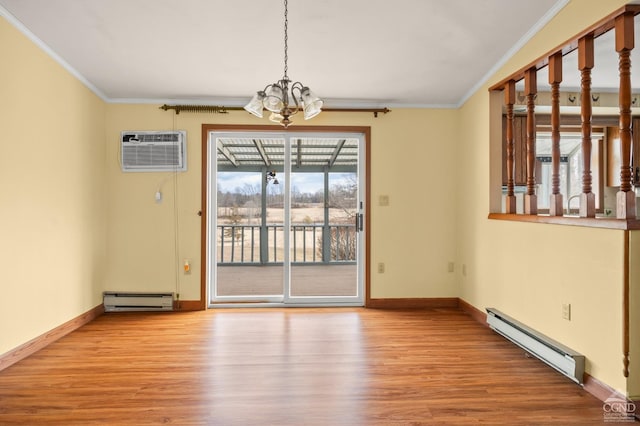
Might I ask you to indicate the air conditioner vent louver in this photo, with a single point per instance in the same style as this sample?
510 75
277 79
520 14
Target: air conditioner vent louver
157 151
159 137
160 155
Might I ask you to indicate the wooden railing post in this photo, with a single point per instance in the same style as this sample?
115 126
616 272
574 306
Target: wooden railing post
585 64
626 198
555 78
531 89
510 100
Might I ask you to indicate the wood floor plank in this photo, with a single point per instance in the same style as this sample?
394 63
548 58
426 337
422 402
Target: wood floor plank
296 366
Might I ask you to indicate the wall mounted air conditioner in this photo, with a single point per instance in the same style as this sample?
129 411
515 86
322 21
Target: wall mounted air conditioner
153 151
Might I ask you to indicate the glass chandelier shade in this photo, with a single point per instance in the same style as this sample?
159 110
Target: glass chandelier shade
311 103
276 97
255 106
276 117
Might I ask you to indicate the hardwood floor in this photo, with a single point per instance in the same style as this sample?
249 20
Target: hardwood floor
295 366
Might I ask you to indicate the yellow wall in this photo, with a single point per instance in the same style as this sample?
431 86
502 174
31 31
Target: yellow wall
412 162
52 186
73 224
528 270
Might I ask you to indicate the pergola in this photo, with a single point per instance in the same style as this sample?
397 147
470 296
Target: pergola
312 154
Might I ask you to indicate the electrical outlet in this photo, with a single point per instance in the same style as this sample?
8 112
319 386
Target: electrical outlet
381 267
383 200
566 311
450 267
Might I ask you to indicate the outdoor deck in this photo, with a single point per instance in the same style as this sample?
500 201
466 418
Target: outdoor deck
306 280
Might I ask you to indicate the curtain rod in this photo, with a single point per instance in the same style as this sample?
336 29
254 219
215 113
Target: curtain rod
215 109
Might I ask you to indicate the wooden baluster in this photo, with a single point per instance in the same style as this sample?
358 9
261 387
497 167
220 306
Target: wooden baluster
530 90
626 198
555 78
510 100
585 64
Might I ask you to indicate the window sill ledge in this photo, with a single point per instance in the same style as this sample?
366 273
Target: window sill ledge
598 222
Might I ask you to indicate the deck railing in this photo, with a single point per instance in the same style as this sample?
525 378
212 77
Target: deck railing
256 244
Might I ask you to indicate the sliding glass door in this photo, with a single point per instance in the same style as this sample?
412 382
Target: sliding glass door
286 218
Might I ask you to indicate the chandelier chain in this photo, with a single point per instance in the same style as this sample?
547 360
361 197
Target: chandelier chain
286 39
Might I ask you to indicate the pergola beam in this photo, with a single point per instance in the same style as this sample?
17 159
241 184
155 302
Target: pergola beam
336 152
262 152
228 154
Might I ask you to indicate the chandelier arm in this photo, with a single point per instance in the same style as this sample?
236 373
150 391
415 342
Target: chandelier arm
297 99
297 85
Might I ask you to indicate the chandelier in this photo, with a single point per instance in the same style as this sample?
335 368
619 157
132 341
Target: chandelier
276 97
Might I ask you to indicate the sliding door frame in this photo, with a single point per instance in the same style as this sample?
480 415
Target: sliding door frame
206 269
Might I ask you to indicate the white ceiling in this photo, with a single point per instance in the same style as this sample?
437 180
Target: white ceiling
403 53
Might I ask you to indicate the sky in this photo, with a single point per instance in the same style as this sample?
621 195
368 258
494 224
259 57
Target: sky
304 182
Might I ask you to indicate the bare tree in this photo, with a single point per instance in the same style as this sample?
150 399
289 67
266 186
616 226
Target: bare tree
344 196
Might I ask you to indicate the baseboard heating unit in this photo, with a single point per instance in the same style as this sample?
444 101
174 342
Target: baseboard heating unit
123 302
556 355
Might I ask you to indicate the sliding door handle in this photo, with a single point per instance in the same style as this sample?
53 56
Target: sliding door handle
359 222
